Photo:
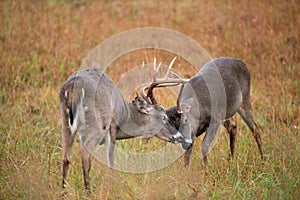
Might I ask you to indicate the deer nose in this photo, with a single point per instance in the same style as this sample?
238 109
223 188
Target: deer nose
186 146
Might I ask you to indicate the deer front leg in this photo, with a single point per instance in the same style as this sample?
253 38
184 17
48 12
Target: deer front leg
207 141
187 156
188 153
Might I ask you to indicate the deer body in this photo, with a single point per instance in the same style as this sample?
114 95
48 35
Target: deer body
91 104
207 103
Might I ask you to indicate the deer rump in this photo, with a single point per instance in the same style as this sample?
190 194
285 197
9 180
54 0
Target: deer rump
94 88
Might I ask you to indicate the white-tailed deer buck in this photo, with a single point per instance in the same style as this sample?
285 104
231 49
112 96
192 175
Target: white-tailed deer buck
210 98
91 104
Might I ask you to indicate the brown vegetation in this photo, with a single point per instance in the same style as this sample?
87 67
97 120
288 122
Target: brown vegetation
42 43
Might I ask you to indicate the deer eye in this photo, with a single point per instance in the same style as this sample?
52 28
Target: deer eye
164 118
185 120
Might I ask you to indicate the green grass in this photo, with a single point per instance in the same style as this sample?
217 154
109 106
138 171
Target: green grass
42 43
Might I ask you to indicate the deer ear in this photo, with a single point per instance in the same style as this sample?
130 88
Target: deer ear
141 105
187 104
135 99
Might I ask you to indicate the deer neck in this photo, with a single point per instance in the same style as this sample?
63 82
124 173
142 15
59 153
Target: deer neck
132 123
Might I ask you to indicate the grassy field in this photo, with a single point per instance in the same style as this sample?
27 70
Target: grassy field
43 42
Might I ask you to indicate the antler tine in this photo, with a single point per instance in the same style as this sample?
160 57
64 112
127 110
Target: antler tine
178 76
161 82
167 80
144 95
170 67
149 97
155 73
157 69
145 86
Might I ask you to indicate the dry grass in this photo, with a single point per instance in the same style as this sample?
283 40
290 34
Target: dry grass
41 43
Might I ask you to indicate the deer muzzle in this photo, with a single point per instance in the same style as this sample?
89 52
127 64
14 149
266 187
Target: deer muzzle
187 144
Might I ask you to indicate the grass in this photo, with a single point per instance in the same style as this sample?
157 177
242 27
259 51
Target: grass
43 42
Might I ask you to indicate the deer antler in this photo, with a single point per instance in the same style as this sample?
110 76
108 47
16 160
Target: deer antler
179 110
161 82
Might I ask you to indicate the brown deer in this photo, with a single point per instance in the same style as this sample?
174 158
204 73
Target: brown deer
219 90
91 104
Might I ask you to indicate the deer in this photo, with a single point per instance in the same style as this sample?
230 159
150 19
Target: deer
210 98
92 105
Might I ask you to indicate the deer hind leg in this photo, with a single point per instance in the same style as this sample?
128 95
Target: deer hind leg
88 144
246 113
231 128
67 143
86 167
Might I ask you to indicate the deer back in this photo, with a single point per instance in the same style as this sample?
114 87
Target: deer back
218 88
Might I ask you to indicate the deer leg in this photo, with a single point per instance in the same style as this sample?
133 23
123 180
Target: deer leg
110 144
248 119
231 128
88 144
208 139
67 143
86 167
187 156
257 135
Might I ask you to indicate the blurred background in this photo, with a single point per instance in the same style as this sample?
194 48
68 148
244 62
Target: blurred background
43 42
